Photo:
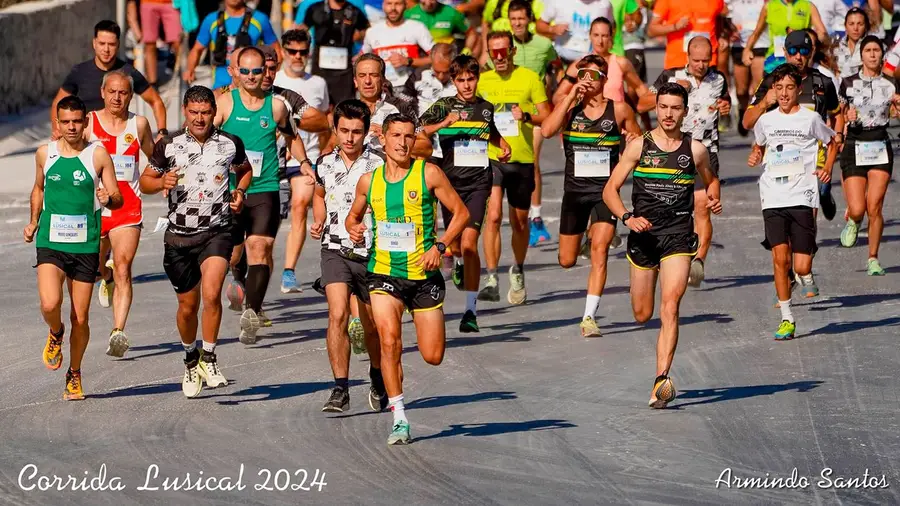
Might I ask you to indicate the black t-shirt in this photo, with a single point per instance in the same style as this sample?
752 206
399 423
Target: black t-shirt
334 28
817 93
85 79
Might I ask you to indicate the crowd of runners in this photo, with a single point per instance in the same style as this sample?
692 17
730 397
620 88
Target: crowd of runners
375 124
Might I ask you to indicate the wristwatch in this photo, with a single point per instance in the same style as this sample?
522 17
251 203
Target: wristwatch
626 216
243 192
526 117
409 62
162 131
441 247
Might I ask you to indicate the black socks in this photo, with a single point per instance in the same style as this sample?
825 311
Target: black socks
256 285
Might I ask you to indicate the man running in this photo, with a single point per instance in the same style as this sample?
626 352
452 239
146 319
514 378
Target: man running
781 18
679 22
402 43
662 240
370 81
433 82
465 126
405 257
65 215
193 165
124 135
520 104
593 127
446 24
787 141
343 262
568 24
743 15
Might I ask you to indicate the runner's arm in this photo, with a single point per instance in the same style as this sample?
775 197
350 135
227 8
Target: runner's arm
815 22
422 147
627 162
438 183
192 61
555 121
37 193
565 84
471 7
314 121
543 112
647 102
318 205
354 221
631 78
145 136
710 180
224 104
151 96
629 122
107 171
158 173
759 105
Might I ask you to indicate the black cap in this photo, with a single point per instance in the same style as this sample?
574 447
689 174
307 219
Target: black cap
798 39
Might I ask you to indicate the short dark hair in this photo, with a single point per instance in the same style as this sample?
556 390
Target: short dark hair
521 5
463 64
497 34
602 20
871 39
251 49
397 118
352 109
71 103
369 57
786 70
593 59
299 36
674 89
201 95
108 26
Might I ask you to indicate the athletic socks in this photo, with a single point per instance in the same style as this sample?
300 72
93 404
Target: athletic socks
786 310
209 347
518 268
257 282
471 298
535 212
807 279
188 348
492 272
396 405
590 306
342 383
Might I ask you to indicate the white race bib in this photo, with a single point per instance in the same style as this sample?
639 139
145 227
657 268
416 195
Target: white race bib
124 165
778 44
68 228
399 237
871 153
506 124
333 58
785 163
256 161
592 163
690 35
470 154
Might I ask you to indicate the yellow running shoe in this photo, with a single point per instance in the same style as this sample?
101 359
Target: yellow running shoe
264 320
589 328
53 350
663 392
73 386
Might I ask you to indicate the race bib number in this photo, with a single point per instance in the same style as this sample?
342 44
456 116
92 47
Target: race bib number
124 165
333 58
578 43
779 46
592 164
397 237
785 164
871 153
470 154
506 124
690 35
68 228
256 162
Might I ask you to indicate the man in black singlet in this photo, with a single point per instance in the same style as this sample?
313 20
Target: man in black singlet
662 241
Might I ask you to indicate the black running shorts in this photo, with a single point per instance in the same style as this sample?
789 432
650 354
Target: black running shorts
737 53
580 209
184 254
261 215
81 267
638 61
646 251
848 161
517 181
476 201
337 268
418 295
795 226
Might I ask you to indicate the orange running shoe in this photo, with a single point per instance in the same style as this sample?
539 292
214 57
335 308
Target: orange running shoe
73 386
53 351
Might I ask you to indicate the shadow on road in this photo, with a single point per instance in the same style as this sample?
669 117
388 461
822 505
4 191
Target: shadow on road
149 278
844 327
708 396
450 400
844 301
496 428
274 392
655 323
725 282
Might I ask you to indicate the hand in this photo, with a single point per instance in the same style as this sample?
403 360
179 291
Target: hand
713 203
307 171
682 23
398 60
505 151
431 260
559 29
771 98
138 36
356 233
852 114
630 136
188 76
375 130
170 179
579 89
684 84
316 229
237 201
754 158
451 118
638 224
517 112
158 138
824 175
747 56
724 106
29 231
102 196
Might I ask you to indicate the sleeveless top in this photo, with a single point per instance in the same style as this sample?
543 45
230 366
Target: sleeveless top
125 151
591 147
257 130
70 218
780 16
663 190
614 89
403 216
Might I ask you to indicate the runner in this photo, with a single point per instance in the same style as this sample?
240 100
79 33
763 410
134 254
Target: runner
405 257
634 38
154 13
869 101
832 13
124 135
571 25
198 238
847 50
679 22
744 14
495 17
434 82
446 24
520 104
370 84
402 43
592 127
465 126
787 141
343 262
65 216
662 240
782 17
709 100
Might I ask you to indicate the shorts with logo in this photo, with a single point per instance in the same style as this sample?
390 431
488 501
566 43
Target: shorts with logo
849 168
517 180
337 268
261 215
475 197
81 267
578 210
184 254
646 251
417 295
795 226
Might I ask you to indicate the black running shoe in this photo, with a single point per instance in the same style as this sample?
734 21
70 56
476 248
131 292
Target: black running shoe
469 323
828 205
338 402
377 401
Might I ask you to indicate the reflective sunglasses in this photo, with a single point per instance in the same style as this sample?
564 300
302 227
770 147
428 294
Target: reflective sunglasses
257 71
500 54
590 74
295 52
804 51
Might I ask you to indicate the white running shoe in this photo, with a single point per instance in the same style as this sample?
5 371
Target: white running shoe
249 326
208 368
191 384
517 294
118 343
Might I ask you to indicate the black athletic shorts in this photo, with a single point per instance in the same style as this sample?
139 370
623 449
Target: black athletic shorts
737 54
81 267
795 226
578 210
848 161
418 295
476 201
184 254
261 215
638 61
517 180
337 268
646 251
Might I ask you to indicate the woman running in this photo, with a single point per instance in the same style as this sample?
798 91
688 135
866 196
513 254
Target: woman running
847 48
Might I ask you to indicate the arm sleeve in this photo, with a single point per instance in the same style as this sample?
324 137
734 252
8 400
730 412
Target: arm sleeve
661 9
140 82
461 24
842 94
303 16
268 34
367 43
549 12
725 95
158 160
319 180
820 130
204 37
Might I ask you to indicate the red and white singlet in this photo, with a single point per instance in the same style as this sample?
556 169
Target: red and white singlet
124 150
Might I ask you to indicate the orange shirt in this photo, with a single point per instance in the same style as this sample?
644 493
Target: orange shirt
703 15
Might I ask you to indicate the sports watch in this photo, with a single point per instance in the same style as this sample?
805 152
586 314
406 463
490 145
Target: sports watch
441 247
626 216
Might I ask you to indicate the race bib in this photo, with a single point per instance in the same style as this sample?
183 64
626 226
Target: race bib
333 58
784 164
578 43
390 72
256 161
592 163
68 228
871 153
124 165
470 153
437 152
690 35
778 45
397 237
506 124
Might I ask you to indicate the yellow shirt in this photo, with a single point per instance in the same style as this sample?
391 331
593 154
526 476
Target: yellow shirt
524 88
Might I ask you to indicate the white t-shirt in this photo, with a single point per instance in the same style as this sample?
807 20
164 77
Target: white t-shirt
314 90
578 14
789 165
744 14
832 13
411 40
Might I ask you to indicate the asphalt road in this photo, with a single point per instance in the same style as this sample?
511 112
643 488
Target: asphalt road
526 412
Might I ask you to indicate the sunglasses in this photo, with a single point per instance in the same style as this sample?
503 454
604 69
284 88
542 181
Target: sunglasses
257 71
295 52
804 51
500 54
590 74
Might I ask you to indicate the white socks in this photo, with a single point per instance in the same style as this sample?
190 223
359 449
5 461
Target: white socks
396 405
471 299
535 212
209 347
590 306
786 310
188 348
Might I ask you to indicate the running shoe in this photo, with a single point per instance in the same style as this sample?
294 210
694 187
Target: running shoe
663 392
399 434
208 369
73 391
249 326
491 290
192 383
235 294
104 292
725 123
616 241
378 402
53 354
589 328
697 273
809 290
826 202
469 322
458 275
357 336
785 331
516 294
289 282
338 402
873 268
118 343
849 234
264 320
538 232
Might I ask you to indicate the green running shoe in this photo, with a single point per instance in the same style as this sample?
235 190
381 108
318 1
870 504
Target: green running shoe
399 434
873 268
490 292
457 275
849 234
357 336
469 323
785 331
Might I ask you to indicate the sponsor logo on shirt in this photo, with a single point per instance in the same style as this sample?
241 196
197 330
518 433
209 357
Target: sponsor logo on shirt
78 177
129 138
54 177
684 161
